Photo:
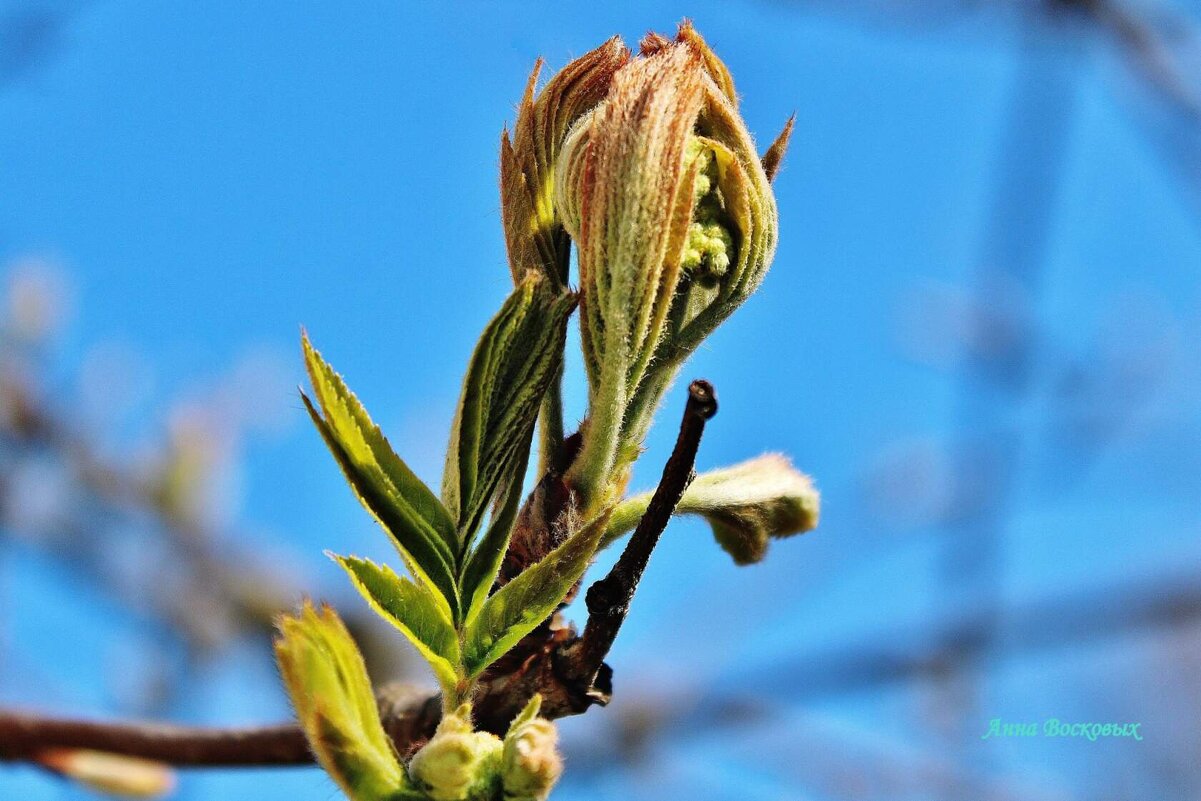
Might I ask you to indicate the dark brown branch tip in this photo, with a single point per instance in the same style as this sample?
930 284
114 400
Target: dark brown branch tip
702 399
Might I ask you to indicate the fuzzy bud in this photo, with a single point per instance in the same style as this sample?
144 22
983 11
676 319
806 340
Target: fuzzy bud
747 505
671 210
534 235
532 763
335 705
457 764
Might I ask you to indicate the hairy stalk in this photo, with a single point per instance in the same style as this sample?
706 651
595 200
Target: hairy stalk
550 428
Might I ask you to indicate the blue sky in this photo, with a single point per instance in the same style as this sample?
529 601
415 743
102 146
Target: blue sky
212 177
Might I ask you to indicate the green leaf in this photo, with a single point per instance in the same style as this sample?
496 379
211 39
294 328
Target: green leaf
336 707
517 608
484 562
419 525
514 362
412 609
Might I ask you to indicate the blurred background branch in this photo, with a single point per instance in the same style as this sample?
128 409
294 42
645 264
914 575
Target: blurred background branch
143 525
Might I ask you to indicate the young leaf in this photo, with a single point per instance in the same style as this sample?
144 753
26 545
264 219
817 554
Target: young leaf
528 713
484 562
336 707
517 608
418 523
512 365
412 609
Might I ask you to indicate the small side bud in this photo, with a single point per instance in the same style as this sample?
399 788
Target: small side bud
532 763
110 773
458 764
752 502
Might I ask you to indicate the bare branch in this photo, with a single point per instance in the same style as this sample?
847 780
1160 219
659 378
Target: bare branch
409 716
23 737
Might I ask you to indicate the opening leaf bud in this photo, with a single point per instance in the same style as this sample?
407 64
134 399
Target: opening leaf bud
533 234
675 224
334 702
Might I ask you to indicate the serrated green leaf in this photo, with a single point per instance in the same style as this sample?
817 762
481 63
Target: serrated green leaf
336 706
517 608
420 526
421 560
413 610
514 362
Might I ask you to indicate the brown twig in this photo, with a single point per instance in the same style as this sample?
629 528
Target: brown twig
23 737
409 716
608 600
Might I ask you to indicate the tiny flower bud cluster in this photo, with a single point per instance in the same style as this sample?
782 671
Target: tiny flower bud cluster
460 764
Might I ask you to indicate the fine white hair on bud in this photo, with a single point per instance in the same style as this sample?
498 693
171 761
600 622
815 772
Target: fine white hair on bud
331 692
747 505
671 210
458 764
531 763
534 234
